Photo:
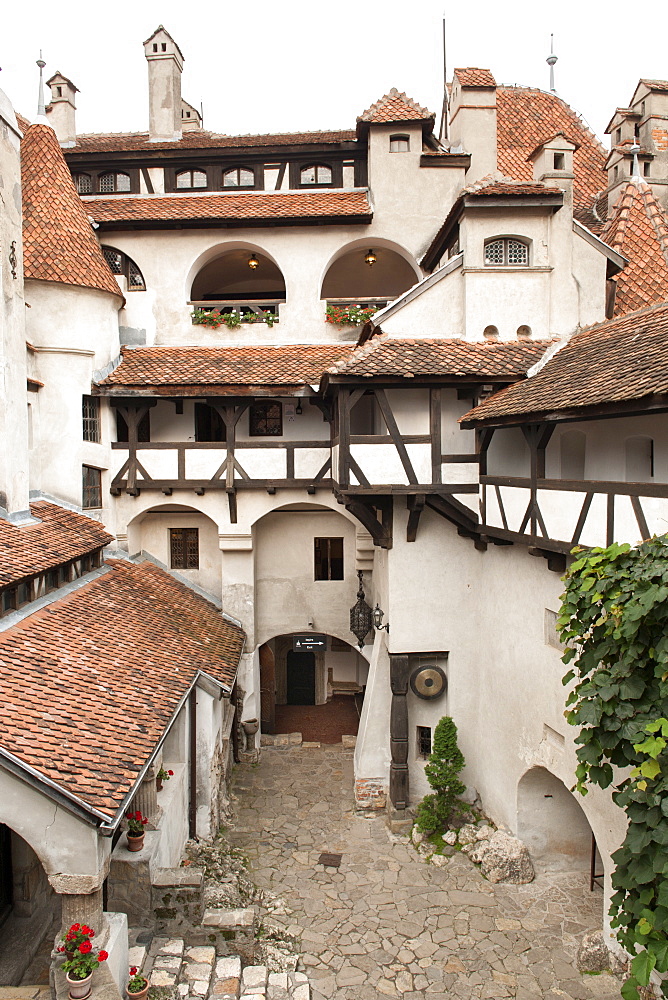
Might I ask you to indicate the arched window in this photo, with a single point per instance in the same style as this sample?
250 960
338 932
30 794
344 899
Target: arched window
83 183
317 173
524 332
506 251
188 179
639 455
491 333
400 143
241 177
111 183
120 263
572 454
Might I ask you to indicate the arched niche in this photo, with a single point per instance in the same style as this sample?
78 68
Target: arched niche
551 821
235 272
165 532
348 275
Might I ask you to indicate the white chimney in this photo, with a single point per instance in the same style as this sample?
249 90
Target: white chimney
62 109
165 65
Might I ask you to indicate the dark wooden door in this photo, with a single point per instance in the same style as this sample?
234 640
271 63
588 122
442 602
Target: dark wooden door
301 678
5 872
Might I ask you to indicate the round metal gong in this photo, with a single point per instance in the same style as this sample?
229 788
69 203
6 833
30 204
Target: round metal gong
428 682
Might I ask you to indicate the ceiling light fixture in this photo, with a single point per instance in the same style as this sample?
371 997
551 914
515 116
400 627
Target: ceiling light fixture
370 258
253 262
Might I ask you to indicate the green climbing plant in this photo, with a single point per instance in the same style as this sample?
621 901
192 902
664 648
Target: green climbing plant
614 619
445 762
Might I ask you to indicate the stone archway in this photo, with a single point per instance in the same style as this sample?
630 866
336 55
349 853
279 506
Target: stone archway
551 822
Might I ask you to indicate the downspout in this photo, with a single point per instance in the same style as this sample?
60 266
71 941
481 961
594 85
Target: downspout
192 759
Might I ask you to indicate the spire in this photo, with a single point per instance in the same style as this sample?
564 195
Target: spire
635 170
551 60
41 109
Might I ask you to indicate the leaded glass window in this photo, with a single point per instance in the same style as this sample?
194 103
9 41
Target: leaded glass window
184 548
506 252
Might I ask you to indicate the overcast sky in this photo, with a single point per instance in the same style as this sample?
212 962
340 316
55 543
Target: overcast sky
269 66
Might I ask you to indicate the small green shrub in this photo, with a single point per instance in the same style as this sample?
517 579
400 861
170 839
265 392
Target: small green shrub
445 763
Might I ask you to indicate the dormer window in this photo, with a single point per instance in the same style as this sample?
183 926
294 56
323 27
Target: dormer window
239 177
506 252
400 143
120 263
83 183
317 173
559 161
112 183
189 179
618 136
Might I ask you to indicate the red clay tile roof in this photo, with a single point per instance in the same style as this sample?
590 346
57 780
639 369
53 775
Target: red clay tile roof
656 84
22 122
513 188
58 241
526 118
638 228
614 362
384 355
60 536
183 367
89 683
202 139
395 107
473 76
257 205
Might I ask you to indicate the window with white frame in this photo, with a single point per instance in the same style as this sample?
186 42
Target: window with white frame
506 252
400 143
120 263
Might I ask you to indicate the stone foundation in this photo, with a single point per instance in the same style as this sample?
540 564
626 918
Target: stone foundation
177 901
370 794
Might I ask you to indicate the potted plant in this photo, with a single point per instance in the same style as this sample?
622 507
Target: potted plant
137 987
80 967
75 936
135 834
162 776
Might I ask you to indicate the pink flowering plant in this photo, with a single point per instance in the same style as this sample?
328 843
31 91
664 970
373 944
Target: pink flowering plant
354 315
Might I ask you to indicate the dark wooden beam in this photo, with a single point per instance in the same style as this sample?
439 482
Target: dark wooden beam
435 434
415 506
399 779
582 486
392 427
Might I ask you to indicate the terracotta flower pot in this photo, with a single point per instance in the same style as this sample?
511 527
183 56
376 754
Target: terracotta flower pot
79 988
138 995
135 843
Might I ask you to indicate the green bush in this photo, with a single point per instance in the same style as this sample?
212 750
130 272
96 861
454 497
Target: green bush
445 763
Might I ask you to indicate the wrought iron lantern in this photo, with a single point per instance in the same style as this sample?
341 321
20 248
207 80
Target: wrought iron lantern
253 262
361 615
378 616
370 258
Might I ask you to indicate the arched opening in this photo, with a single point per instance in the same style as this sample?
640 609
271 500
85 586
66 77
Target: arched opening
30 913
491 333
183 539
572 454
242 279
552 823
371 273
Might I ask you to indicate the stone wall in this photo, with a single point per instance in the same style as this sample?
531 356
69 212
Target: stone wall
177 901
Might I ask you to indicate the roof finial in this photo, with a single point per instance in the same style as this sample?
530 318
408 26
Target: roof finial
551 60
635 169
41 110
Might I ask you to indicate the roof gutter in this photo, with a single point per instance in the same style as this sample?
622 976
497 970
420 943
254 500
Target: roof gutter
618 260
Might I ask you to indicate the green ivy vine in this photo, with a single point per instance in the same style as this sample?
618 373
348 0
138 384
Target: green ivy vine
614 618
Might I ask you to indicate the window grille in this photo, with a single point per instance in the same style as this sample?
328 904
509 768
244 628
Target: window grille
91 489
328 558
83 183
318 173
184 548
494 252
239 177
507 252
114 259
265 419
423 742
120 263
90 411
517 252
135 277
110 183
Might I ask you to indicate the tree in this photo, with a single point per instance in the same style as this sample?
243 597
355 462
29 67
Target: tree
445 762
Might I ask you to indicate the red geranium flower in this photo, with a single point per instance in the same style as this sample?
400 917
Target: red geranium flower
171 774
85 947
103 956
75 927
133 969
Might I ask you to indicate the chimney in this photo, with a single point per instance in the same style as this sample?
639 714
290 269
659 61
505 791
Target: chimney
473 119
61 110
165 65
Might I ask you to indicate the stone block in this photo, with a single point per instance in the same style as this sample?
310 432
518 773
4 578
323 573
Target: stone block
226 987
506 860
370 793
228 968
279 979
137 955
281 740
197 970
349 742
302 992
168 962
593 954
161 978
310 746
294 739
200 987
202 955
254 975
168 877
229 919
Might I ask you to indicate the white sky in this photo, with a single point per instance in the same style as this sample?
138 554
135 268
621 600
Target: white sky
271 66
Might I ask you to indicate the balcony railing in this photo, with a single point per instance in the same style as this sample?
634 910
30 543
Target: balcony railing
244 310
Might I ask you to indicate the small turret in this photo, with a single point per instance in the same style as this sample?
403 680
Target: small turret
62 109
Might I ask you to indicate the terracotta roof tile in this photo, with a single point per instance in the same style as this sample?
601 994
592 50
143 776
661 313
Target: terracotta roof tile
518 189
638 228
656 84
22 122
183 367
384 355
88 684
621 360
526 118
473 76
59 536
395 107
258 205
58 241
202 139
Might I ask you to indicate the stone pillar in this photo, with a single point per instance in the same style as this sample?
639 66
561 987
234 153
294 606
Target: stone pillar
84 908
399 731
146 797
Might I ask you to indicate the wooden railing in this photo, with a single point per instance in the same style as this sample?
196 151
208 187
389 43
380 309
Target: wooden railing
242 308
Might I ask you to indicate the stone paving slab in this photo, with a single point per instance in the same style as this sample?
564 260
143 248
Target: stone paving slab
385 924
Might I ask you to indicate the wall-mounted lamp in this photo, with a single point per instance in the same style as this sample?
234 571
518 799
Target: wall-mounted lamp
378 616
253 262
370 258
298 408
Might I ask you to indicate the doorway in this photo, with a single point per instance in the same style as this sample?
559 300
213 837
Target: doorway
300 678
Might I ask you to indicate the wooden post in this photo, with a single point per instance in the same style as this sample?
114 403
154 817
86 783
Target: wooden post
399 731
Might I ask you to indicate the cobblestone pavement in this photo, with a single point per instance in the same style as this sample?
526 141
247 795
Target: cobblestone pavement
387 924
